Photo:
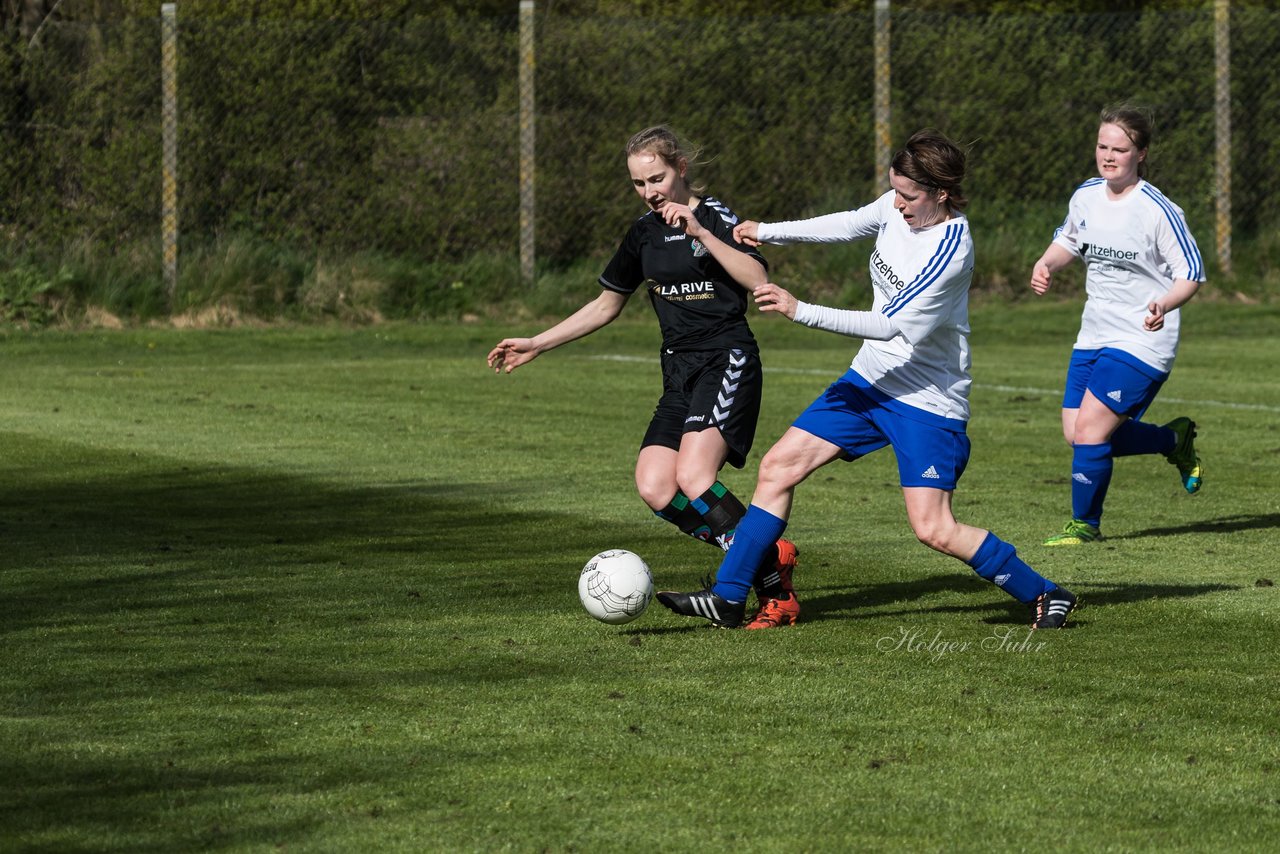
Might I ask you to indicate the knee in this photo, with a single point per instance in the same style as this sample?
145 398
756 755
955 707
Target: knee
937 534
654 491
778 470
694 480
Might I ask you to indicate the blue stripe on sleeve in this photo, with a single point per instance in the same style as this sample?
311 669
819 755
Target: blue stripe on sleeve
1194 262
932 271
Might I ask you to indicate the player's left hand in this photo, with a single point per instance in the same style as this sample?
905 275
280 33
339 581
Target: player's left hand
771 297
1154 321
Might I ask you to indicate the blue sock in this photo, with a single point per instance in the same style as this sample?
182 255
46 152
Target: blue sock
756 534
998 562
1138 437
1091 467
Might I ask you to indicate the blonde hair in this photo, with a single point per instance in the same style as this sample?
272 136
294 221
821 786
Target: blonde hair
662 142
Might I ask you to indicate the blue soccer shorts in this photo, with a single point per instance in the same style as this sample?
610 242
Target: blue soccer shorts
1123 383
851 418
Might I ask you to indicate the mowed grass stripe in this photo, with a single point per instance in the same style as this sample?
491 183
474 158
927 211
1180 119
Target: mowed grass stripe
316 588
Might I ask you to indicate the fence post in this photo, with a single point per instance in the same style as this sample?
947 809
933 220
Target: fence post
882 97
527 160
1222 109
169 122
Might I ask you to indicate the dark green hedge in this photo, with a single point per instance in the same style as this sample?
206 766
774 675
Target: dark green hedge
400 136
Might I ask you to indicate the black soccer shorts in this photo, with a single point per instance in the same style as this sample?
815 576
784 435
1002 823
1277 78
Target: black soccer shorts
706 389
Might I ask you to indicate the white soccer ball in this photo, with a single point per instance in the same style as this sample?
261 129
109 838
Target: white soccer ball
615 586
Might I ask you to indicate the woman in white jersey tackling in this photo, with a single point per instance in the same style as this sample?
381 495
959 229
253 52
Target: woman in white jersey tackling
1142 265
908 386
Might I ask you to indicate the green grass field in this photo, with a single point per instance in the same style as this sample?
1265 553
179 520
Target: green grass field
315 589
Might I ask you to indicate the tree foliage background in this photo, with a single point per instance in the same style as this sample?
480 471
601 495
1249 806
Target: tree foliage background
392 126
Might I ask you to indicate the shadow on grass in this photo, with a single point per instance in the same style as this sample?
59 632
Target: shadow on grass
52 819
886 600
101 532
181 620
1225 525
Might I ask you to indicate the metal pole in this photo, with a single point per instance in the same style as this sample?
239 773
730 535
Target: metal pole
527 160
883 97
169 122
1222 108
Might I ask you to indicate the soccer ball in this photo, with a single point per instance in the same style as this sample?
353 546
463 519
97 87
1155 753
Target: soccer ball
615 586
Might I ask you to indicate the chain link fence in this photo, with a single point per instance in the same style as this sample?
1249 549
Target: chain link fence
402 137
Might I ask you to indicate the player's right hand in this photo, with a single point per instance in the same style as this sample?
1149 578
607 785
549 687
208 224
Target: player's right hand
1041 278
511 353
745 232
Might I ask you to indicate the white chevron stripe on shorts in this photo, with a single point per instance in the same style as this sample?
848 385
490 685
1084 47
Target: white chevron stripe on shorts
729 382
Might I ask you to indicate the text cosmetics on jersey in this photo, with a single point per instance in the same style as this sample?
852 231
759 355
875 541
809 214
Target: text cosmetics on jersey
682 292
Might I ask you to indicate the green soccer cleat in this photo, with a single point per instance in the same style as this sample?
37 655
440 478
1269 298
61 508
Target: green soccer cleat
1184 455
1076 533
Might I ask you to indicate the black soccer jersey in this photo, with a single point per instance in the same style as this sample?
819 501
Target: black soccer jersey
699 305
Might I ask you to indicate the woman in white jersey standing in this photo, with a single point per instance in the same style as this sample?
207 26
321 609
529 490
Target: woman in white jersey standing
908 386
1142 265
682 253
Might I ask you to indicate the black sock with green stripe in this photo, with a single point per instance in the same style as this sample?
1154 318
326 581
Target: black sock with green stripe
681 513
722 512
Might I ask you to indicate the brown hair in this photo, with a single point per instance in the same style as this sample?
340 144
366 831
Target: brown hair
932 160
1137 124
663 142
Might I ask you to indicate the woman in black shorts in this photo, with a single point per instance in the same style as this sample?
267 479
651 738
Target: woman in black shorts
682 252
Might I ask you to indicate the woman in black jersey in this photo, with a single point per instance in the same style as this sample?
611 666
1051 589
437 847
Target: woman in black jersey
682 252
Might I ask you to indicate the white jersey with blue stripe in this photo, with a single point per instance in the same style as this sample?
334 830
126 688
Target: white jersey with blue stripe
1133 249
920 277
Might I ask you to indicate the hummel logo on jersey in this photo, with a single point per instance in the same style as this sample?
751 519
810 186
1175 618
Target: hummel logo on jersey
931 473
670 237
1080 478
1114 395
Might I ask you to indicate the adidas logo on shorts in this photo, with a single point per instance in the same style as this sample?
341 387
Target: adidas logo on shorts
1114 395
931 473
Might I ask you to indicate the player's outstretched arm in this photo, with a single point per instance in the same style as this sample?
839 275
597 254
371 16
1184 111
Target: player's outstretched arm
856 324
511 353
